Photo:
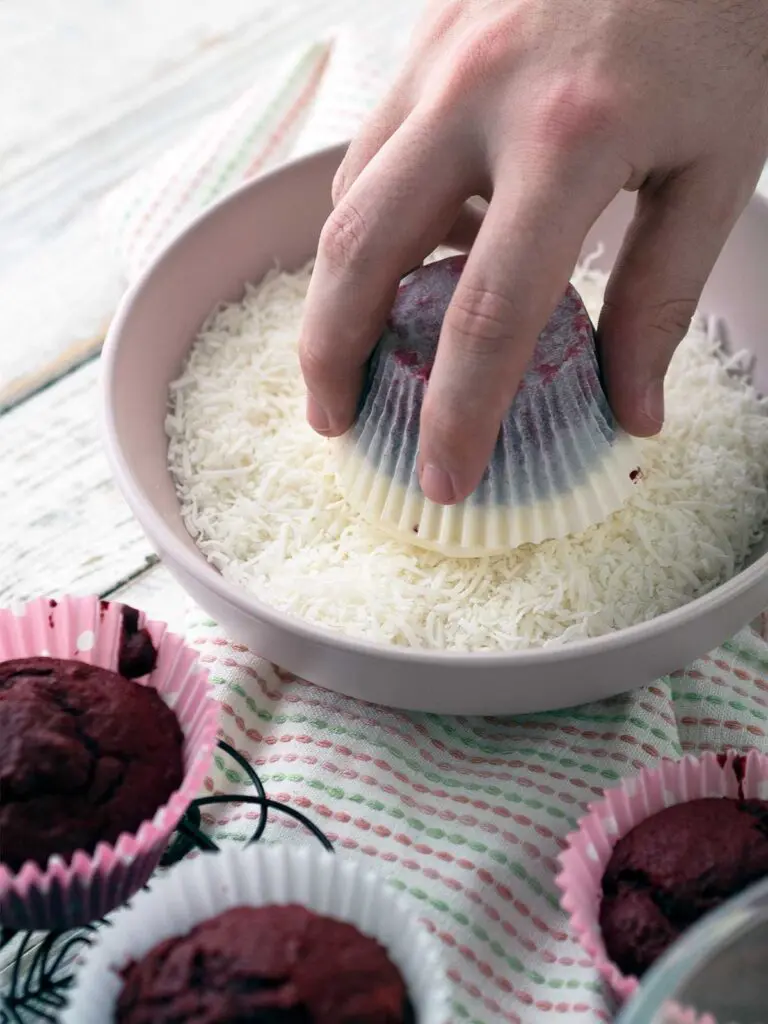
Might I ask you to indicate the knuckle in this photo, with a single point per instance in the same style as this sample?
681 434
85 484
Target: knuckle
672 317
475 57
573 114
344 238
480 319
443 16
470 63
340 184
313 363
467 65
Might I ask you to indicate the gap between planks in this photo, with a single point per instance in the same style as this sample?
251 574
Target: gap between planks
64 527
58 278
155 592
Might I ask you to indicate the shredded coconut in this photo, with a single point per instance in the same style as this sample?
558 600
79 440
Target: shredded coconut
260 499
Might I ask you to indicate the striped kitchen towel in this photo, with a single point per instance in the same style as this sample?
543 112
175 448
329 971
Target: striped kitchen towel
249 137
468 815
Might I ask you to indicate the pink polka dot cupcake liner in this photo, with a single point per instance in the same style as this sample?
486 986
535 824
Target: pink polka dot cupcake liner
66 894
584 861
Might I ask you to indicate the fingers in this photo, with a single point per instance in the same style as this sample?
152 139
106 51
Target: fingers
670 248
378 129
465 228
398 210
516 273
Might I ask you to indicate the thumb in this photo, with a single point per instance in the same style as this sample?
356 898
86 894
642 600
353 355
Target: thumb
678 230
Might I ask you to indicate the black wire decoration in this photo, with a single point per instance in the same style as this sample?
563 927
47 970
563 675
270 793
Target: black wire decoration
37 989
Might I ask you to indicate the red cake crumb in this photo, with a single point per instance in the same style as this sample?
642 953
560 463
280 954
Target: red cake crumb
85 755
265 965
137 656
673 868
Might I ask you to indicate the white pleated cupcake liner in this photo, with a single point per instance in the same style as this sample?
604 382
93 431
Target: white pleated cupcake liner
66 894
338 886
560 464
598 474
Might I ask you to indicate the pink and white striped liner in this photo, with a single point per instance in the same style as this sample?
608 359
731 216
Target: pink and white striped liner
589 849
64 895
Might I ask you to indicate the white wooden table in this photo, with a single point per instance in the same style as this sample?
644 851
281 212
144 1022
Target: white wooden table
90 91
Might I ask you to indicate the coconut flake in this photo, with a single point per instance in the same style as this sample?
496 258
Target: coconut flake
259 496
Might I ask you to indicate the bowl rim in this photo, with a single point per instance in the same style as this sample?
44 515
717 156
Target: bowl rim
196 566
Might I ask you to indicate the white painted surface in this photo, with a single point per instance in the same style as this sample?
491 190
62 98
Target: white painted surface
63 525
91 90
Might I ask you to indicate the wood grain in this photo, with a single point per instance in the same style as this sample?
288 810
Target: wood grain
158 594
113 86
63 525
47 372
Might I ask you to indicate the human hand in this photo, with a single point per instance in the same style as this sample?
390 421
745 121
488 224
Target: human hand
546 110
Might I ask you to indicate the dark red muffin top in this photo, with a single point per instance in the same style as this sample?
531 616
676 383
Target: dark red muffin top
85 755
673 868
265 965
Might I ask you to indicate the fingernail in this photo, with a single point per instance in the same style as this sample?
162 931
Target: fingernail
653 401
437 485
317 416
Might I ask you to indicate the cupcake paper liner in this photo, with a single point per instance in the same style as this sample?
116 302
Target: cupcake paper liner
335 885
472 530
589 849
560 464
89 885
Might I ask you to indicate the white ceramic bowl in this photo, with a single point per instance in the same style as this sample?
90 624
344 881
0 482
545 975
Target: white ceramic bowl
279 217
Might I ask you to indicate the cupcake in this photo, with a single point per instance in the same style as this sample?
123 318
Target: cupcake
658 853
675 867
85 754
263 934
97 765
560 464
264 965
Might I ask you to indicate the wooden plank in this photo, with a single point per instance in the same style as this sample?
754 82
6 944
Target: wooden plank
57 300
112 111
47 372
63 524
158 594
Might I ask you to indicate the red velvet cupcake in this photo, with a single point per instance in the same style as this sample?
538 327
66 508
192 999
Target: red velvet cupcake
264 934
265 965
85 754
675 867
96 768
658 852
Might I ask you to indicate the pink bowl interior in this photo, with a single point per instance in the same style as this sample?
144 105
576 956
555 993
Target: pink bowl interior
278 219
